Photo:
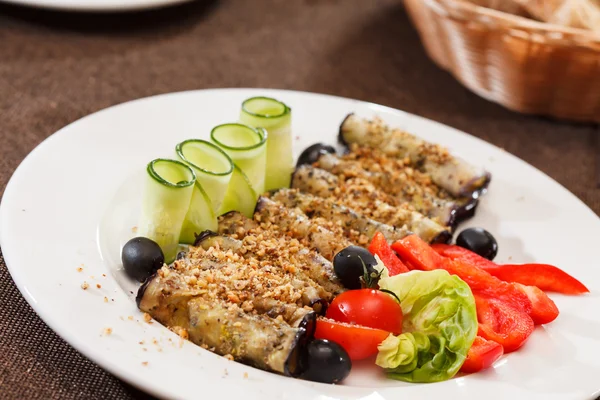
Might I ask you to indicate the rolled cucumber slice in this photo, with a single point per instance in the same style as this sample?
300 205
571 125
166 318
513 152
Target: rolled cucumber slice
166 200
200 216
240 195
276 118
212 166
247 148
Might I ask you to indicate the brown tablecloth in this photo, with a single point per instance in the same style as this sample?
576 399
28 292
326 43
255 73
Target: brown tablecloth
57 67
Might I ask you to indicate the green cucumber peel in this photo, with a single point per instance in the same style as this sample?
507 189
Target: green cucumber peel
276 117
213 167
240 195
246 146
166 199
200 216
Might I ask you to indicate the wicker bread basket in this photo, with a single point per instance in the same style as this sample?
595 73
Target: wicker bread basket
525 65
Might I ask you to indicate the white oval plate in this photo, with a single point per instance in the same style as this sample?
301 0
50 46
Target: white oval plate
73 201
97 5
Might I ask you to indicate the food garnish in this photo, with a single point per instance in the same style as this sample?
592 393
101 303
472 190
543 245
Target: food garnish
167 196
141 258
367 307
479 241
240 196
381 248
200 215
359 341
482 355
326 362
276 118
544 276
351 264
212 166
247 148
439 325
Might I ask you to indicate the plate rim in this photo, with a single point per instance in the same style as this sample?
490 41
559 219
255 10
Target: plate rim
97 6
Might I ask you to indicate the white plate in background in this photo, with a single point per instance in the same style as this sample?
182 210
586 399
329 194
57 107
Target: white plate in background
96 5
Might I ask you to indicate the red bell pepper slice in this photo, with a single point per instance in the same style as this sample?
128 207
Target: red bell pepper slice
460 253
544 276
482 355
544 310
380 247
502 308
419 254
360 342
501 323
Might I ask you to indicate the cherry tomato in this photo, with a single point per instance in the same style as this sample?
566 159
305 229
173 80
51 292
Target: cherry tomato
367 307
359 342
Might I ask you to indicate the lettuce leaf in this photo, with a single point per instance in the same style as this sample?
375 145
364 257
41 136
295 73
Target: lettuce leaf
439 326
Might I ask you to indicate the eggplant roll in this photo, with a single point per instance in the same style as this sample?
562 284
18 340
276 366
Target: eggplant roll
326 237
234 222
166 294
314 264
353 223
362 196
256 339
451 173
313 294
402 186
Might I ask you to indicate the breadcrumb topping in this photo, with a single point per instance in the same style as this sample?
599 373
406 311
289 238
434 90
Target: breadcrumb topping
403 144
264 267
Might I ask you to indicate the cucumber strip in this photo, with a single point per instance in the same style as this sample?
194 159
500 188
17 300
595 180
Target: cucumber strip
247 148
167 196
212 166
240 195
199 218
276 118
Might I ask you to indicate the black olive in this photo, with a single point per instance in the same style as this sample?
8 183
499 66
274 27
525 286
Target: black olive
141 258
312 153
349 265
479 241
326 362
